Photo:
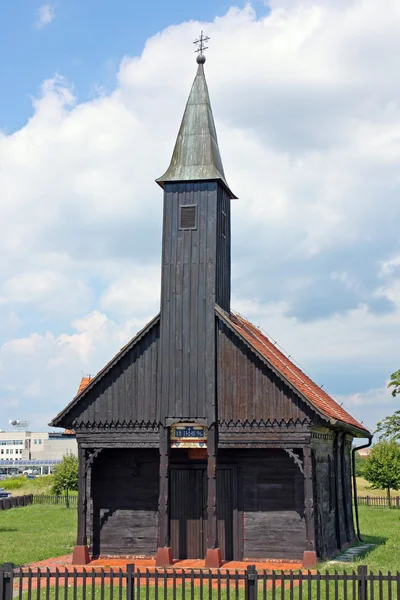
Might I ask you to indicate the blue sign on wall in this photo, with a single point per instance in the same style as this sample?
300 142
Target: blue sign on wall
188 435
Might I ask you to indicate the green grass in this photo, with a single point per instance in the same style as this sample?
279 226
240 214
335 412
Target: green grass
20 486
380 526
36 532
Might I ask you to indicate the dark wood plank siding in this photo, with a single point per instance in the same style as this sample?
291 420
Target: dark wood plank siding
272 503
125 502
347 487
223 287
345 510
248 389
128 392
226 512
333 512
325 510
193 277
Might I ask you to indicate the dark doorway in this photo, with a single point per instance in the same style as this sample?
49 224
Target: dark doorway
188 511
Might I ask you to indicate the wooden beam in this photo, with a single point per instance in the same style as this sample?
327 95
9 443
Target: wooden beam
309 499
163 533
80 554
213 554
82 503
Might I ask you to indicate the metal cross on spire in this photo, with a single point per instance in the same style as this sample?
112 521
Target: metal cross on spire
201 41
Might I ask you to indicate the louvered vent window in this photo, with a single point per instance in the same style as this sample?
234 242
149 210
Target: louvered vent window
187 217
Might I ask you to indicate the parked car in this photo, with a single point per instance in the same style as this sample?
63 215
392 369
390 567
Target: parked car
4 493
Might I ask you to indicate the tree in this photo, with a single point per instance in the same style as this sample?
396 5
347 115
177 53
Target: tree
360 462
382 467
395 383
66 476
389 427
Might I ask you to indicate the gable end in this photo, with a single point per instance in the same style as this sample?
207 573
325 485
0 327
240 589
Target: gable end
124 391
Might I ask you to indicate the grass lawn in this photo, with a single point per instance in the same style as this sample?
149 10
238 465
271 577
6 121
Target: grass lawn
364 489
19 486
36 532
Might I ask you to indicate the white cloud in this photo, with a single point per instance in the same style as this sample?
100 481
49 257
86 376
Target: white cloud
308 120
45 15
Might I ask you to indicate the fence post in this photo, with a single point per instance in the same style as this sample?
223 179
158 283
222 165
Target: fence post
6 581
251 583
130 584
362 573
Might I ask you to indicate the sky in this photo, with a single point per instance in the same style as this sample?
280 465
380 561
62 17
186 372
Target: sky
305 98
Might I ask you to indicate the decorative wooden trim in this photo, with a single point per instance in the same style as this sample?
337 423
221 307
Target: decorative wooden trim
262 425
263 434
140 427
91 456
315 435
143 435
251 444
112 445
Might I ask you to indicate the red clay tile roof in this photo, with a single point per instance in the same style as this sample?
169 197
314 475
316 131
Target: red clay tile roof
311 391
84 383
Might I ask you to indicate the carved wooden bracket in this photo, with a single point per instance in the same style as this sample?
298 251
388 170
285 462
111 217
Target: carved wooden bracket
93 454
296 459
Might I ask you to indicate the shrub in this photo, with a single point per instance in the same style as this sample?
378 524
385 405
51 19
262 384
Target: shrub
13 484
42 483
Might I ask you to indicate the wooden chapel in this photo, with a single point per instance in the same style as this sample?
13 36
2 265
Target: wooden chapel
200 439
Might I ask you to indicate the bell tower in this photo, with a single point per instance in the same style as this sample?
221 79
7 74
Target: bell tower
196 261
195 277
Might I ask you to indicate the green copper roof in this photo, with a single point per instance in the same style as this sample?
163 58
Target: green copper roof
196 154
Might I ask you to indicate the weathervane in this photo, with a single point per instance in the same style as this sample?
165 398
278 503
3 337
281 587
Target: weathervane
201 41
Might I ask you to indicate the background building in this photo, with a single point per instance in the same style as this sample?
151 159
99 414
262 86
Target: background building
18 448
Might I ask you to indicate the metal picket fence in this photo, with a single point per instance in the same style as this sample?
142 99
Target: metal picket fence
195 584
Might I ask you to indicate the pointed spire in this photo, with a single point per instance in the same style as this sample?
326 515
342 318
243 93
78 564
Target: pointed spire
196 154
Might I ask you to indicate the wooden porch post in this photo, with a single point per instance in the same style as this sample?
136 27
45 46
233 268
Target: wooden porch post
81 552
310 555
164 552
213 554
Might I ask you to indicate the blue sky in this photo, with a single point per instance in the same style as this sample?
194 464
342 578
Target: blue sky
305 99
85 42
